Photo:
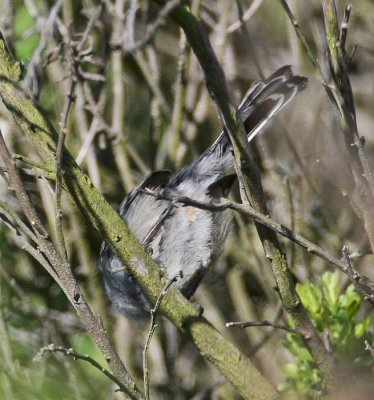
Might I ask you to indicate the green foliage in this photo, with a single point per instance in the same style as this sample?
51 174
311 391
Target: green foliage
335 313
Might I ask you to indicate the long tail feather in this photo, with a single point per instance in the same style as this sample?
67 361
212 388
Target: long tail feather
260 104
268 97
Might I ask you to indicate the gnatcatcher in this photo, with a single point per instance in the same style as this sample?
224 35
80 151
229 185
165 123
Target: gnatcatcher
184 238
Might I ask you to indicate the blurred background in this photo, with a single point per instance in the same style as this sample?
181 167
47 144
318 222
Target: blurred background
142 106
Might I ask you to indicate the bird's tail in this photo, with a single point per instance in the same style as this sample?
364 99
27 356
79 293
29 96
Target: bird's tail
265 99
268 97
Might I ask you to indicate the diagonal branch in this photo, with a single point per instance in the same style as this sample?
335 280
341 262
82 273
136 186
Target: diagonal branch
363 286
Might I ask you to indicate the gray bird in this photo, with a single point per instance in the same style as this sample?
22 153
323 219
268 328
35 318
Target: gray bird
184 238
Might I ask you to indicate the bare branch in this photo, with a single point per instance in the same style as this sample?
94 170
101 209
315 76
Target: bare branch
20 192
150 32
152 328
251 324
20 232
59 167
262 219
84 357
362 284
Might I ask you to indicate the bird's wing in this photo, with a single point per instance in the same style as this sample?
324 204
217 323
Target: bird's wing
155 180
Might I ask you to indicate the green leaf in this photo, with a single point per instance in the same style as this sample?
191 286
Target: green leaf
330 287
311 296
351 302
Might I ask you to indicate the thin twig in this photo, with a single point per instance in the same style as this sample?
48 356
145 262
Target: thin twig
363 286
257 346
245 32
31 172
31 162
309 52
145 359
292 220
45 27
12 215
20 191
262 219
59 167
84 357
246 16
179 101
150 32
20 232
251 324
153 326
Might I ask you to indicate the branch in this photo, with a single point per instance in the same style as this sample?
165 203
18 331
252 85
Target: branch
224 204
31 172
17 187
84 357
150 31
59 167
152 329
20 232
251 324
362 284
